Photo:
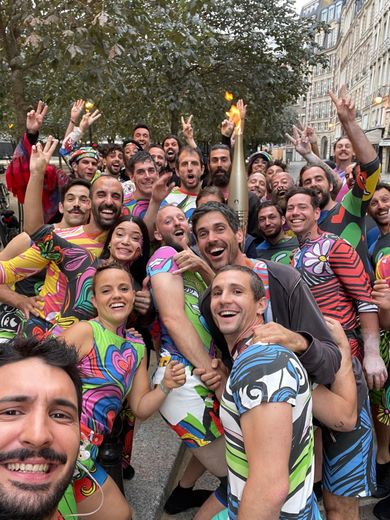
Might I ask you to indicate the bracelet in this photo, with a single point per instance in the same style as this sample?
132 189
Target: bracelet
75 124
164 388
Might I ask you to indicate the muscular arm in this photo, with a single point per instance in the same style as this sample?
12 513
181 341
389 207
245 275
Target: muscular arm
168 293
17 246
267 434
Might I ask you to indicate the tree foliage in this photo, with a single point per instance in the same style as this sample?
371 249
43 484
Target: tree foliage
154 61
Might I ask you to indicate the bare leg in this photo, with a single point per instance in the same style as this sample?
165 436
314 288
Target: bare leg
212 457
318 457
383 439
193 471
340 508
114 506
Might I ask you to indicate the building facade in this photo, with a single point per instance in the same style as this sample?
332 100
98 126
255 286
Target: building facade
357 44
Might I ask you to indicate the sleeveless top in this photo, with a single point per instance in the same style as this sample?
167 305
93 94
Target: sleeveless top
107 374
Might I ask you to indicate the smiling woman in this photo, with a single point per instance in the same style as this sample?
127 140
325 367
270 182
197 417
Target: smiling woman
113 368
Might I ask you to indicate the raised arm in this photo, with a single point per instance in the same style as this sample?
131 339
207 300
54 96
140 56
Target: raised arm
188 131
345 107
75 114
33 211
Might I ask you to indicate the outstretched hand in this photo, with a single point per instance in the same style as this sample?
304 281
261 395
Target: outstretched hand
40 156
76 110
88 119
187 129
300 141
227 128
35 118
344 105
161 189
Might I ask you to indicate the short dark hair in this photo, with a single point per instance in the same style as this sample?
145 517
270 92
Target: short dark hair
141 125
328 175
110 265
229 214
73 182
172 136
299 190
110 147
382 185
139 157
133 141
256 283
210 190
221 146
137 268
52 351
190 150
269 204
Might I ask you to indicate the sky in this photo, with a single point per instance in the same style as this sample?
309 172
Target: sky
299 4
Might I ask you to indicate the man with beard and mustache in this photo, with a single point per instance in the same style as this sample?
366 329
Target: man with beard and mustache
276 246
113 159
106 200
191 411
40 407
171 146
220 164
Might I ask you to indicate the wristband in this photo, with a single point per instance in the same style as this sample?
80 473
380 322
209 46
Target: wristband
164 388
71 120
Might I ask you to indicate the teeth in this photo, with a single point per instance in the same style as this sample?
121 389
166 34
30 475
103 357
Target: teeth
216 251
117 306
227 314
29 468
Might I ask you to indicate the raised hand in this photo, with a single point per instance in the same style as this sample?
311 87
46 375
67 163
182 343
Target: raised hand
40 156
310 133
242 108
344 105
187 129
76 110
161 189
88 119
227 128
35 118
300 141
143 300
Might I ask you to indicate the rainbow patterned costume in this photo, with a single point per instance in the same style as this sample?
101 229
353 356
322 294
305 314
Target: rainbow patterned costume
107 372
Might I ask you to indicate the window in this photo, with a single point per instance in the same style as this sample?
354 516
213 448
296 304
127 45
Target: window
324 15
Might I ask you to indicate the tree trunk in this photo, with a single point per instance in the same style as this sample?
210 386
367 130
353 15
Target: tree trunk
174 121
19 99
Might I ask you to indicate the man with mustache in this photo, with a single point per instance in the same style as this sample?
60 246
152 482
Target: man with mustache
172 145
281 183
40 407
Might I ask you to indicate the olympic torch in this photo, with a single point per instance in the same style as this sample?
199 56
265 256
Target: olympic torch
238 187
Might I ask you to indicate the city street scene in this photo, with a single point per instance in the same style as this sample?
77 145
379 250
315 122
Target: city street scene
195 260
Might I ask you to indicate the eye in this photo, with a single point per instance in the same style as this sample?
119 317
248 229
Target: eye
61 416
11 412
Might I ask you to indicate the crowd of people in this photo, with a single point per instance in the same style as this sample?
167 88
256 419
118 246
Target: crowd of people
271 339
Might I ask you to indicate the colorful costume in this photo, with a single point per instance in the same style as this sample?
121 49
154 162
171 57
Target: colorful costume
347 218
192 410
280 252
270 374
18 174
107 372
135 207
183 200
338 281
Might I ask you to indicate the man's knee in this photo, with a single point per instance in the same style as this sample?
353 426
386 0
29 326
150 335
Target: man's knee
339 507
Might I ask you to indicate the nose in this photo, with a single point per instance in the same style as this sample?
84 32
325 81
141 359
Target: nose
37 433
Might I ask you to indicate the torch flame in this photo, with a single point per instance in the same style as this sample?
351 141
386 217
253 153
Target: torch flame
228 96
234 116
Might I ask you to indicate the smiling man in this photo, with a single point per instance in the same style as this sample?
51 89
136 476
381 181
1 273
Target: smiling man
265 409
190 411
39 428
